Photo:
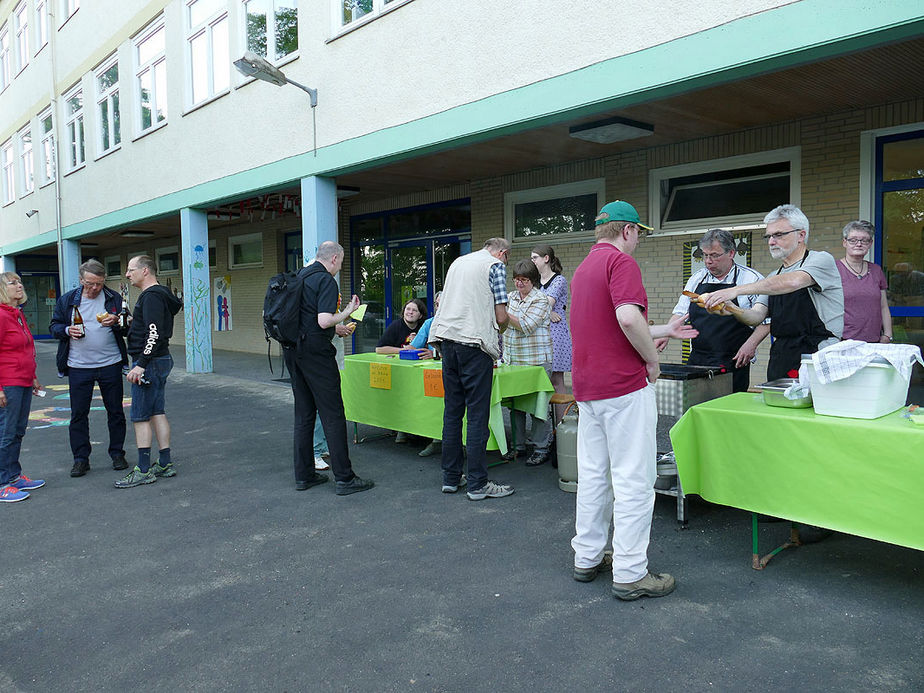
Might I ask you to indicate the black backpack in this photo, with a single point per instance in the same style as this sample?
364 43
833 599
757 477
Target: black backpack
281 307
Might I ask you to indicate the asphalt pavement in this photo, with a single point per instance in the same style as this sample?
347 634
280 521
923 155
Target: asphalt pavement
224 578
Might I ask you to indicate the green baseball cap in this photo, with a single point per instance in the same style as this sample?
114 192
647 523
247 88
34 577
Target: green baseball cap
619 211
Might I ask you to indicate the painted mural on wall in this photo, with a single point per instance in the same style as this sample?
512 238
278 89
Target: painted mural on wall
198 308
221 294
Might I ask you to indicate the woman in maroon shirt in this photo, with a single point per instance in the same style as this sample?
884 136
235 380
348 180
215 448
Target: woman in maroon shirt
17 383
866 308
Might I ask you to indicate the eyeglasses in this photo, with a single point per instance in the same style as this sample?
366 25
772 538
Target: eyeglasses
858 241
713 256
132 269
520 280
95 285
14 282
779 234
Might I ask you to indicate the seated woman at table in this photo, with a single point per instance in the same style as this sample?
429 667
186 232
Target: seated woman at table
528 342
401 333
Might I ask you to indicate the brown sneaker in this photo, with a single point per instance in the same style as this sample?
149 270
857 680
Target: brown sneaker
652 585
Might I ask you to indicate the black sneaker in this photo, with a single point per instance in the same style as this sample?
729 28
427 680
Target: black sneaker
354 485
118 463
80 467
316 481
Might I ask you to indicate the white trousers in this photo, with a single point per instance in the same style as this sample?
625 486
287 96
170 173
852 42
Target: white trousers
617 468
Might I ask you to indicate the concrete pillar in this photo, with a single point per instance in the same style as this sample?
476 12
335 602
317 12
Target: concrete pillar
197 293
319 214
7 263
69 271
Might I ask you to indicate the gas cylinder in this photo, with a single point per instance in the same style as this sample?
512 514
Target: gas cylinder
566 435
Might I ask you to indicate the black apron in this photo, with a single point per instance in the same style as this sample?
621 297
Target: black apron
720 337
796 330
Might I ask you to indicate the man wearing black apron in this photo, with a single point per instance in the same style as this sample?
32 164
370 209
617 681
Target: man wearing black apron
806 299
722 342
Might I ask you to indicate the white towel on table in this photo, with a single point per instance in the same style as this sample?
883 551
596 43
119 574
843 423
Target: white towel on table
843 359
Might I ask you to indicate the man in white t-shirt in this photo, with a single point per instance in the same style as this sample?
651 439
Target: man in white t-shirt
89 355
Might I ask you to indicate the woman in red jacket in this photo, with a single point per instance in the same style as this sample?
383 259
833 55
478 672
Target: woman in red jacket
17 383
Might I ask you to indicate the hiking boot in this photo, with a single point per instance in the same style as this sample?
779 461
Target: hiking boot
163 472
80 467
490 490
136 478
320 465
589 574
449 488
11 494
24 483
118 463
537 458
433 448
354 485
652 585
316 481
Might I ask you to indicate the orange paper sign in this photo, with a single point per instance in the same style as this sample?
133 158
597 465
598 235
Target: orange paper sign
433 382
380 375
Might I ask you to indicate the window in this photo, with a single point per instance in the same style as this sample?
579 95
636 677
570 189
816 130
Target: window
245 251
107 106
26 162
168 260
6 172
113 265
41 23
271 27
738 190
47 153
69 7
73 125
6 72
151 73
209 55
21 29
557 210
213 254
348 13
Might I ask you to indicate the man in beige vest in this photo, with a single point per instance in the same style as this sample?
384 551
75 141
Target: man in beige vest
473 309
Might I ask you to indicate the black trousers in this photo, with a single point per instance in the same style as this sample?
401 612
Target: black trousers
81 381
316 388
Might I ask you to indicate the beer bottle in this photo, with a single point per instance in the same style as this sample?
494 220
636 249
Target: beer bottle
78 323
124 317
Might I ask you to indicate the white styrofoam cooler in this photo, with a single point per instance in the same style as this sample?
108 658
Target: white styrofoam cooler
875 390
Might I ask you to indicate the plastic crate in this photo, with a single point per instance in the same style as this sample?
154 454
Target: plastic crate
875 390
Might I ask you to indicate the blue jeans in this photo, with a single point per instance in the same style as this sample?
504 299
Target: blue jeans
320 440
148 400
81 382
14 418
467 376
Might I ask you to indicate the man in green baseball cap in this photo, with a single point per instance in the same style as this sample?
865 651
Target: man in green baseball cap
620 211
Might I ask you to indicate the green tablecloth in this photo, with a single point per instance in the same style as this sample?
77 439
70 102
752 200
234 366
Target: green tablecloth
864 477
404 407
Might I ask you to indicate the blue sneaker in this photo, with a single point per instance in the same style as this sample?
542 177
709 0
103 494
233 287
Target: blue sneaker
24 483
11 494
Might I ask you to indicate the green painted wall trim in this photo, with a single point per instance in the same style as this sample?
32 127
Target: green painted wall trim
794 34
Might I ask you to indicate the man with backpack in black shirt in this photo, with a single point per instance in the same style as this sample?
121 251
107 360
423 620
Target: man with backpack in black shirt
315 377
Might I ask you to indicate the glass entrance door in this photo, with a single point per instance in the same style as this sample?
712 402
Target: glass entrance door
42 290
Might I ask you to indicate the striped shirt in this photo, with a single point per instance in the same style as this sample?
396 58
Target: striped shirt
531 344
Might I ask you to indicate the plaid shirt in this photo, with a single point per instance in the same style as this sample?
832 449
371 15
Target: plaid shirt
531 345
498 279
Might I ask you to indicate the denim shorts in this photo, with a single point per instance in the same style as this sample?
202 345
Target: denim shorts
148 400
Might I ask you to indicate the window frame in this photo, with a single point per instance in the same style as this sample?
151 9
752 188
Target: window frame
159 253
42 24
207 28
379 9
68 8
21 35
6 57
7 173
25 160
48 157
241 239
151 65
107 96
270 35
213 245
792 155
596 186
106 263
77 117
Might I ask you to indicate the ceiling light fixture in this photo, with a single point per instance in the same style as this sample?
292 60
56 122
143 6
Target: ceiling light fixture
31 213
611 130
136 233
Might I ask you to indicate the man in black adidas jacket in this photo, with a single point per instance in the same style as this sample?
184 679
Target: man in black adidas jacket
148 345
315 376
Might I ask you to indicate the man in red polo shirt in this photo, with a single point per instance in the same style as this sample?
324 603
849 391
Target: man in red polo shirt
614 368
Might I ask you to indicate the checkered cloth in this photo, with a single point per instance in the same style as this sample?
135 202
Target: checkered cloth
843 359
